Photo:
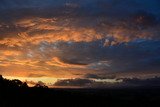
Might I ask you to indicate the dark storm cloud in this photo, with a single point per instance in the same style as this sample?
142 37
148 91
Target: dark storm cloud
122 82
136 56
141 82
102 76
92 76
74 82
139 55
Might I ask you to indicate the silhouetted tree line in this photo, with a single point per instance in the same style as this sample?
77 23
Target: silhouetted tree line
6 83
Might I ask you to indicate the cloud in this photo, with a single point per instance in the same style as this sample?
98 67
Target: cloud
20 62
10 53
121 82
92 76
70 58
36 75
101 76
63 38
57 62
149 82
73 21
139 55
49 30
74 82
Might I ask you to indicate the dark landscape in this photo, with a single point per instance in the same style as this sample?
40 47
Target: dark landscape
17 94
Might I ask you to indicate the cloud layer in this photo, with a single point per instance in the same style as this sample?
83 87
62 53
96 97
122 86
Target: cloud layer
94 39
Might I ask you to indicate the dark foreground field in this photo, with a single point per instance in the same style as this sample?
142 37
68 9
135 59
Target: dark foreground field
34 97
14 93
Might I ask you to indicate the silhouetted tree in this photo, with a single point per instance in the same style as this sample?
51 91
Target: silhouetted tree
24 85
1 77
5 83
40 86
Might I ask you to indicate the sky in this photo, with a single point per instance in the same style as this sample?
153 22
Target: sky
79 42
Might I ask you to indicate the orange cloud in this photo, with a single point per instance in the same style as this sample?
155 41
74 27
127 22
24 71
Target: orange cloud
50 30
11 53
22 62
4 64
68 34
5 57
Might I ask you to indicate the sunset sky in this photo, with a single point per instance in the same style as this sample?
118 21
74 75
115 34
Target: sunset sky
77 41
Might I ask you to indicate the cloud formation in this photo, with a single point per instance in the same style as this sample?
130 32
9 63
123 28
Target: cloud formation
70 21
119 83
74 82
95 39
149 82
